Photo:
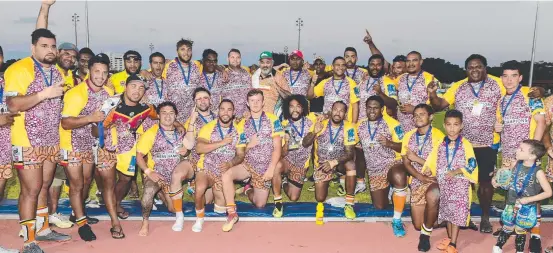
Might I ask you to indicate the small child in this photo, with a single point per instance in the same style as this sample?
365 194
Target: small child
527 181
454 165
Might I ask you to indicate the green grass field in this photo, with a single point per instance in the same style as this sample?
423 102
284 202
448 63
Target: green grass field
307 196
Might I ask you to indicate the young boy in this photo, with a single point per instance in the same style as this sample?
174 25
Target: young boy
527 181
453 164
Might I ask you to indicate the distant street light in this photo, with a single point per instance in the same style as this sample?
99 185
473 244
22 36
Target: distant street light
151 48
299 24
285 54
75 20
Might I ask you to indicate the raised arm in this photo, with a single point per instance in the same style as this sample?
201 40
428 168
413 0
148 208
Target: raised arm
374 50
42 20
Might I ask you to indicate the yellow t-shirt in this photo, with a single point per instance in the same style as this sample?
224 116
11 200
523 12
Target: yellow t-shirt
69 82
74 101
206 133
119 80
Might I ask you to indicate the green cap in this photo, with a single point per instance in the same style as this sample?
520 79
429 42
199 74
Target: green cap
266 55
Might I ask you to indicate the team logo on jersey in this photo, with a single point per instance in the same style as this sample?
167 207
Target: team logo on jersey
399 132
277 126
536 103
356 91
392 92
471 165
243 139
351 135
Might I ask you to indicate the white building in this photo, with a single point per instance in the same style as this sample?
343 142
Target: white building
116 62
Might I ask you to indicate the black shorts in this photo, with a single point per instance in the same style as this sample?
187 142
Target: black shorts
486 158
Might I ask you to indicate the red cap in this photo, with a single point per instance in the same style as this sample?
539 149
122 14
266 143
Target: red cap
297 53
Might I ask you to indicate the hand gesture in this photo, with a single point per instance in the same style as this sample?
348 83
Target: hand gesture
53 91
48 2
318 126
254 141
96 117
228 139
326 167
368 38
147 75
306 65
383 141
536 92
498 127
411 155
268 174
154 176
193 116
377 89
6 119
406 108
432 87
224 166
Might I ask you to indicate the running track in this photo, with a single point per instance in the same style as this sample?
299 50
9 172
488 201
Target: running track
269 237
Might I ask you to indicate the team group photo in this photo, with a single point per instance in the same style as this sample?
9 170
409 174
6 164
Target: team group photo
223 156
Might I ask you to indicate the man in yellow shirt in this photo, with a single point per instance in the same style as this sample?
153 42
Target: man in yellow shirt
220 148
339 87
81 110
34 87
133 64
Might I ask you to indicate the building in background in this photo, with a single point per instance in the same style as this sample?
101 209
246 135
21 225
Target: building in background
116 61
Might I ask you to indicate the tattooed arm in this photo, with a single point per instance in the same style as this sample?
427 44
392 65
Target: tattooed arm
348 156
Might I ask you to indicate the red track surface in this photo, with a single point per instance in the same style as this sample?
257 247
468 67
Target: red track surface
262 237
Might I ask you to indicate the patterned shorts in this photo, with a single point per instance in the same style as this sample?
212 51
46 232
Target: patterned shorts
320 176
418 194
25 158
380 181
257 181
104 159
216 180
6 171
296 174
75 159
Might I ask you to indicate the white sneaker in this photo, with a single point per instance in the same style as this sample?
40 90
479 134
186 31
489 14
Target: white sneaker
198 225
60 220
92 203
179 225
4 250
154 207
497 249
360 187
158 202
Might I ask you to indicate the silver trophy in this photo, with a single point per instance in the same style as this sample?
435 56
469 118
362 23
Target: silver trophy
294 142
503 177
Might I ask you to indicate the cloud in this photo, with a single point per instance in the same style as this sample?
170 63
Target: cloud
29 20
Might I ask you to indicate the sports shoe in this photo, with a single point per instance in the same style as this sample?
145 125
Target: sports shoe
232 219
247 187
32 248
442 245
4 250
424 243
534 245
486 227
53 236
349 212
158 201
497 249
89 220
59 220
360 186
198 225
92 203
85 232
179 225
341 191
397 226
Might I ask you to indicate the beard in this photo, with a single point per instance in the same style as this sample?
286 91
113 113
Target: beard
185 61
266 71
226 121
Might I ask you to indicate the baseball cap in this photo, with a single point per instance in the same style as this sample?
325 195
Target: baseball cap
297 53
127 55
137 77
266 55
99 58
68 46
